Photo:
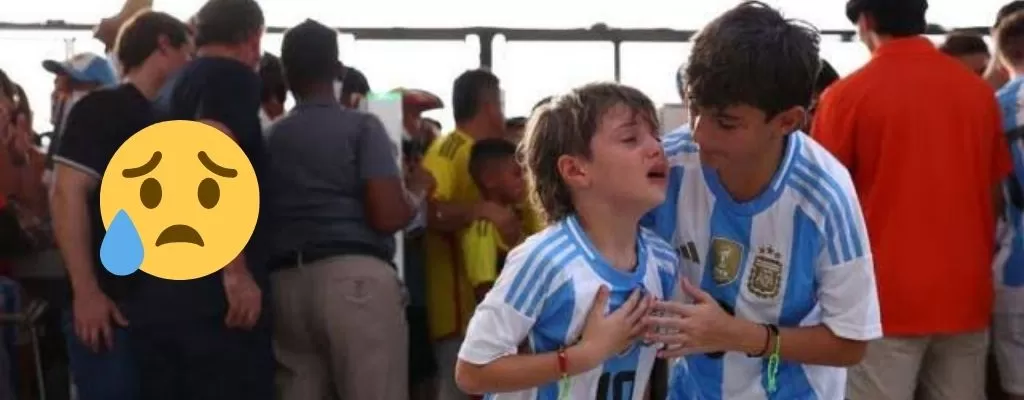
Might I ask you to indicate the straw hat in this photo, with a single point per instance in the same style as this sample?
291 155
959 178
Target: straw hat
106 31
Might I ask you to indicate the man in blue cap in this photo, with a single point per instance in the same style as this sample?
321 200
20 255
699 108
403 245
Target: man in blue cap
75 77
84 69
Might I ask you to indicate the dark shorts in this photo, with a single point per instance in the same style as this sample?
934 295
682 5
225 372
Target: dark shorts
422 362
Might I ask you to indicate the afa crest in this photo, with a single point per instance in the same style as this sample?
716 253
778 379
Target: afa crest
765 280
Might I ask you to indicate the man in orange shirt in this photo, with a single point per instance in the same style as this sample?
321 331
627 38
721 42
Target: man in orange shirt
930 211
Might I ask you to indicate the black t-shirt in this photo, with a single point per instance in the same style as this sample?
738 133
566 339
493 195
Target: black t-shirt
95 129
226 91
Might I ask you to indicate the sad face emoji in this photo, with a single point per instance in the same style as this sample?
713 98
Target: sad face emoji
180 201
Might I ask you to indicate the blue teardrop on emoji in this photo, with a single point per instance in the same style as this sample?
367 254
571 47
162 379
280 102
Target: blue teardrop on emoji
121 251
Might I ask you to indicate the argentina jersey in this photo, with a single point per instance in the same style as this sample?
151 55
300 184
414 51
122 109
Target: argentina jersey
541 299
795 256
1008 264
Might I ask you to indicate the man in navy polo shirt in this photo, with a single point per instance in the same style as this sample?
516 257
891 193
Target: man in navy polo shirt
208 338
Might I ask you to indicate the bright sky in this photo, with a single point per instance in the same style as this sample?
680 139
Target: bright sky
682 14
529 71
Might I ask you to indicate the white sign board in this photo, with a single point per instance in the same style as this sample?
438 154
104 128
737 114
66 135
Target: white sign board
388 109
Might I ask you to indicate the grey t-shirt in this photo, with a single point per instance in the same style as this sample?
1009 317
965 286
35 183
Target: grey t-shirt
321 156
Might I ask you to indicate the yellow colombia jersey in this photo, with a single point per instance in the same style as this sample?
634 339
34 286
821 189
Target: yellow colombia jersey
450 296
483 252
450 300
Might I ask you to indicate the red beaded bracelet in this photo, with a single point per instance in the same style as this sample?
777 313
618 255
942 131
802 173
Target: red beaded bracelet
563 362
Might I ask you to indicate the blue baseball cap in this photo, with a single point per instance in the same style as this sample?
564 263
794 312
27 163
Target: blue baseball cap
84 67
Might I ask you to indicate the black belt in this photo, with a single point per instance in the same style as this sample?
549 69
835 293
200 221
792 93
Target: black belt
315 252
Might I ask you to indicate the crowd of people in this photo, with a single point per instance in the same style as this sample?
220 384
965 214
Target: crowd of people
803 236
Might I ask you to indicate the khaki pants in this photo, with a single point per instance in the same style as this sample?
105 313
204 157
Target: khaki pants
340 331
447 352
938 367
1008 345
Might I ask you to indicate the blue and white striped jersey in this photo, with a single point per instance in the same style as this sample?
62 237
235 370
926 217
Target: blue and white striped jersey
1008 264
1011 108
797 255
543 295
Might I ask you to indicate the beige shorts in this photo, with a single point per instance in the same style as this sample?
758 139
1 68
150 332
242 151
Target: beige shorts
1008 345
938 367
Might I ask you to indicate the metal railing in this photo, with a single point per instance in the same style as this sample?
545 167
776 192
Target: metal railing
598 32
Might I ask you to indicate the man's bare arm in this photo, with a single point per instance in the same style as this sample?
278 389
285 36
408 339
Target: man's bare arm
449 216
241 290
70 211
995 74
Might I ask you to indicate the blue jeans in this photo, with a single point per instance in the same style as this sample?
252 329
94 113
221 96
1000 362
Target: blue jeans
10 303
108 375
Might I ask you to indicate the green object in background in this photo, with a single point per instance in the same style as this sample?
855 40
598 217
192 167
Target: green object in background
392 95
